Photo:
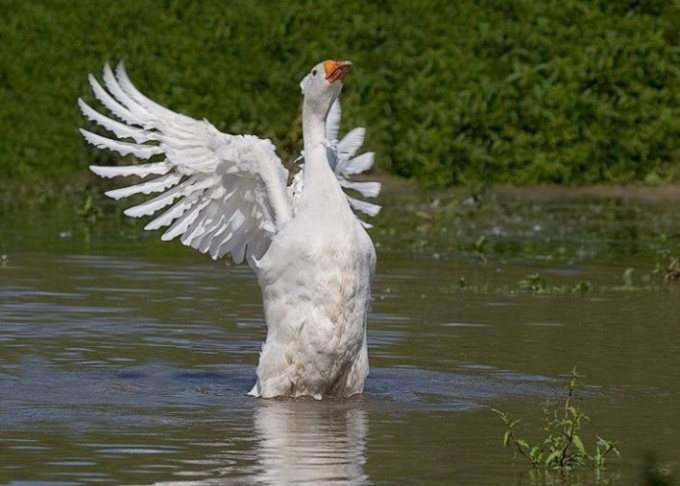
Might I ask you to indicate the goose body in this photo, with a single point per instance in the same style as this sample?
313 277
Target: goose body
317 304
223 193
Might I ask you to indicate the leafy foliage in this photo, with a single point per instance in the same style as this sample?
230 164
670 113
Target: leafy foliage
562 448
549 92
462 92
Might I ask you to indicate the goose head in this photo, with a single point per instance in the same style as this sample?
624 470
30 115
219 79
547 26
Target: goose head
322 86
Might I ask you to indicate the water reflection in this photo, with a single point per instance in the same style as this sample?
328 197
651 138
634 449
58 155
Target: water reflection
308 441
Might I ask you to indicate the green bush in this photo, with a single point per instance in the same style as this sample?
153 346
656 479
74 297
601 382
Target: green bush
486 91
551 91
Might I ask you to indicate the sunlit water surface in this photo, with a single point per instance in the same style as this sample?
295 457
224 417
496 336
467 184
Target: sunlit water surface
124 361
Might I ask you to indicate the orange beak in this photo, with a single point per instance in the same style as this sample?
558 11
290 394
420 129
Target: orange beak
336 70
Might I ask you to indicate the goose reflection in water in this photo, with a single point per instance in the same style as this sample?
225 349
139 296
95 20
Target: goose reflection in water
300 441
305 441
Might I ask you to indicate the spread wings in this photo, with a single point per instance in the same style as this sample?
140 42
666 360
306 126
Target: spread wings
345 165
219 193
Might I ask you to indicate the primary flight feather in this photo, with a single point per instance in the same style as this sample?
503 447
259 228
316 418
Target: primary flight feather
223 193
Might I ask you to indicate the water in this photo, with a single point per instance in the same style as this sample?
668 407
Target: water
126 361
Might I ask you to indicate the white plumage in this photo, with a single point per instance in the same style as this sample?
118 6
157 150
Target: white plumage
222 193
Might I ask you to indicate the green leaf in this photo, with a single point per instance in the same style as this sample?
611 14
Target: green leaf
535 454
522 443
553 458
578 443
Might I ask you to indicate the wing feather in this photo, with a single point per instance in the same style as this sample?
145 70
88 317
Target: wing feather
155 185
350 143
110 103
333 121
363 206
366 189
139 170
357 165
149 207
190 214
345 165
140 151
121 130
218 193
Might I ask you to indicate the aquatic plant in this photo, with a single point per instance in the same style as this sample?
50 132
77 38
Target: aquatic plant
537 284
669 266
673 270
562 448
533 282
666 270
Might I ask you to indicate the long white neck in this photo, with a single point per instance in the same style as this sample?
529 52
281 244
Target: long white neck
322 190
313 128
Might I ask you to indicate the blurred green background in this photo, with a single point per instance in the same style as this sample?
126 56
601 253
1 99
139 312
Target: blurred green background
452 93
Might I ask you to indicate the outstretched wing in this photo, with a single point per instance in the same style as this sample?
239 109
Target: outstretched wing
219 193
345 165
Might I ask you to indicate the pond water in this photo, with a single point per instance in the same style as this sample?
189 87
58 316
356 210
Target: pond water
126 361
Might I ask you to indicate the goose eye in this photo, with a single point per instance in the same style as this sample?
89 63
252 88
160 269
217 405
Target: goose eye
313 72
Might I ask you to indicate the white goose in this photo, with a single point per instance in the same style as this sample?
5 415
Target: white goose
230 194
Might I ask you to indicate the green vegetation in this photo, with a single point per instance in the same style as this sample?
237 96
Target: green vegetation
562 448
470 92
537 284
